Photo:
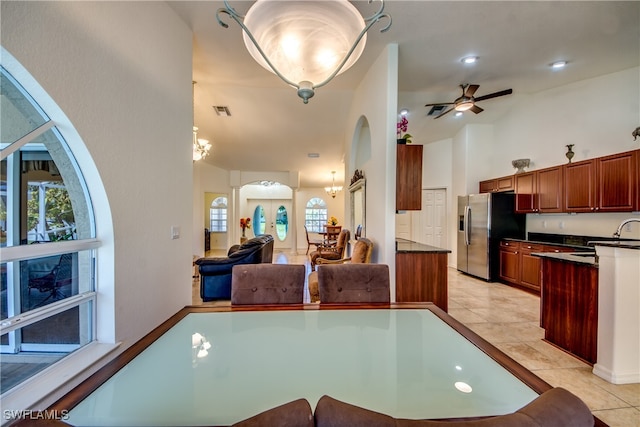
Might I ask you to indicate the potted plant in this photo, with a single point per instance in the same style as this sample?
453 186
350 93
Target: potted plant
403 137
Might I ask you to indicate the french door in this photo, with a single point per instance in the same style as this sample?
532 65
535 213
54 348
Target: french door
271 216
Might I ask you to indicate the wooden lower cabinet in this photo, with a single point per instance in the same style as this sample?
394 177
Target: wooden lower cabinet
422 277
569 307
519 267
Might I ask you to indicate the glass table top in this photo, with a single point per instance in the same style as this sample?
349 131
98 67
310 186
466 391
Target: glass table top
220 368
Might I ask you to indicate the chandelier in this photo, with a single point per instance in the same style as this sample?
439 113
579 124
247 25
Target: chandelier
201 146
305 43
333 190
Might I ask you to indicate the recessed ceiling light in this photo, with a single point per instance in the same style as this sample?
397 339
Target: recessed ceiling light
469 59
558 64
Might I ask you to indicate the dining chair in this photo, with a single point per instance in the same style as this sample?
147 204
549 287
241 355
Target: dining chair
331 251
331 234
310 242
361 254
354 283
267 284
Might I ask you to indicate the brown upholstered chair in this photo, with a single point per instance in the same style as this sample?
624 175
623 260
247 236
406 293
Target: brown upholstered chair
293 414
331 251
556 407
310 242
361 254
267 284
354 283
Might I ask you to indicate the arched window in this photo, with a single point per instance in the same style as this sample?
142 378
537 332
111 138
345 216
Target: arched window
315 216
47 238
218 215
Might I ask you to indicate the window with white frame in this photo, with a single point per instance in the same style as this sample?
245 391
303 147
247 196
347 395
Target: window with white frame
315 216
47 241
218 215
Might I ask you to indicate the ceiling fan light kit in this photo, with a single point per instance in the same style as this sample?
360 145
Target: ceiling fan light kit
305 43
467 101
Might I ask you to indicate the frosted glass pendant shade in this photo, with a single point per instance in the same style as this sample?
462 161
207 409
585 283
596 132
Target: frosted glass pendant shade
304 40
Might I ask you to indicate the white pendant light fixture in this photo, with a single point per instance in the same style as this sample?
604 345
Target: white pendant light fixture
201 146
305 43
333 190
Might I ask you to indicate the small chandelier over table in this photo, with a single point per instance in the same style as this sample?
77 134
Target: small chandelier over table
333 190
305 43
201 146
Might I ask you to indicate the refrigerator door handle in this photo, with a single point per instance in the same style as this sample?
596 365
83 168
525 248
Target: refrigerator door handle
467 225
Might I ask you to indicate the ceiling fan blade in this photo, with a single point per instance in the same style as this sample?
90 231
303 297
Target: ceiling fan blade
439 103
442 114
471 89
476 109
495 95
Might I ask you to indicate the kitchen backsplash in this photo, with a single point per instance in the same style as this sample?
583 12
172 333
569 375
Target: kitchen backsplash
586 224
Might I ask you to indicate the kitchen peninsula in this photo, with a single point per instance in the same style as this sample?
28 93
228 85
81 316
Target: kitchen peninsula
421 273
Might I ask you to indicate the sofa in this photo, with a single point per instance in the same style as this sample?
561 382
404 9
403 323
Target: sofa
215 272
556 407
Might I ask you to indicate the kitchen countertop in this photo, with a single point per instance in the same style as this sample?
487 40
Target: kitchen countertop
590 259
626 244
540 242
408 246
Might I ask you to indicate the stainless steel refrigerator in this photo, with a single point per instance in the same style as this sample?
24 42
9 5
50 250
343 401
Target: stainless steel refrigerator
483 220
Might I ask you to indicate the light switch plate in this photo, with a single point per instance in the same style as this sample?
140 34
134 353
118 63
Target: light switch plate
175 232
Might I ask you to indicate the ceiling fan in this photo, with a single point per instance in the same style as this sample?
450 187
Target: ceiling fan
467 101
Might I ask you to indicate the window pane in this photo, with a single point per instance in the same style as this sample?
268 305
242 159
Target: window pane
282 223
259 221
18 114
316 215
52 334
218 215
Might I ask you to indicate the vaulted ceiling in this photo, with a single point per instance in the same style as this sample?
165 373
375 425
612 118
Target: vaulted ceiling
270 129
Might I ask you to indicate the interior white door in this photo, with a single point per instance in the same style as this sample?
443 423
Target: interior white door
430 223
271 216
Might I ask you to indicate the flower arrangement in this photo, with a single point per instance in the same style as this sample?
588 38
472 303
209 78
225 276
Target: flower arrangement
244 224
333 221
401 131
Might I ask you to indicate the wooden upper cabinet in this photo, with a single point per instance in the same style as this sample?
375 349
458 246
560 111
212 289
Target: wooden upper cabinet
409 177
617 182
497 184
549 190
526 189
580 186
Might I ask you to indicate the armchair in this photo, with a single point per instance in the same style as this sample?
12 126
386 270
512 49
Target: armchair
336 250
215 272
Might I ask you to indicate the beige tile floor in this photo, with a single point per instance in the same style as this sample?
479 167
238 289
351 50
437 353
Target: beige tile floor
508 318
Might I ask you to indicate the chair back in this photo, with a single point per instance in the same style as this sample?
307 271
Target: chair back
358 232
341 243
362 250
333 232
354 283
267 284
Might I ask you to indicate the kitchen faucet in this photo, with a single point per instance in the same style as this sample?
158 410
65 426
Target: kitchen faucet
622 224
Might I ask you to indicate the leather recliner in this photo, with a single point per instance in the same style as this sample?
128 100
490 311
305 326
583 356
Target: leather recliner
215 272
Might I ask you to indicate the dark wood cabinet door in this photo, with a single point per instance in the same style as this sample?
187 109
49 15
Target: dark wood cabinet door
525 185
409 177
505 183
580 186
616 186
422 277
530 266
510 262
549 188
487 186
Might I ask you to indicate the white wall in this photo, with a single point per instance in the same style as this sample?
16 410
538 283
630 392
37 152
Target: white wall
125 84
376 98
206 179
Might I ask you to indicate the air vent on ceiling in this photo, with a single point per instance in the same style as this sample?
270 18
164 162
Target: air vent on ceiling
221 110
436 110
313 155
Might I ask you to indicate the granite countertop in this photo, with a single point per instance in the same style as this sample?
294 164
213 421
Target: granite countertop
541 242
587 258
626 244
408 246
